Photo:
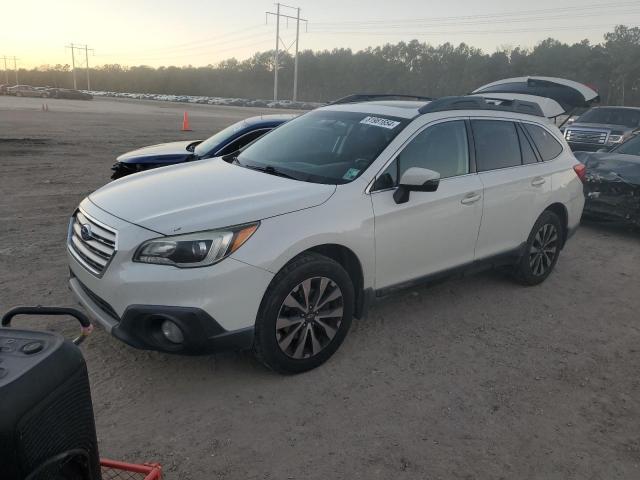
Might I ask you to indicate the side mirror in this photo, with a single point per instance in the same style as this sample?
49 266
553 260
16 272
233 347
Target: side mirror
416 179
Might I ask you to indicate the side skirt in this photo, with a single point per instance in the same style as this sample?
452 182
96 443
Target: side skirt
503 259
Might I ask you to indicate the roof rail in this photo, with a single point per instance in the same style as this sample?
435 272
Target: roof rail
368 97
482 103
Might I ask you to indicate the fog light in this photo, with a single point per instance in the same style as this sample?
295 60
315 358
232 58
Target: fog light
172 332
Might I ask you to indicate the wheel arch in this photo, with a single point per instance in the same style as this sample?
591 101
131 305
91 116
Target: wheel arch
353 266
561 211
351 263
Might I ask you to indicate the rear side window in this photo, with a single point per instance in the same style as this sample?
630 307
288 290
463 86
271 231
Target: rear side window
547 145
497 144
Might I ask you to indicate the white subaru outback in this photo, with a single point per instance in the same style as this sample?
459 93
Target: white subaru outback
277 247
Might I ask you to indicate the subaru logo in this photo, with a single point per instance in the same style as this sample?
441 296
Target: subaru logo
85 232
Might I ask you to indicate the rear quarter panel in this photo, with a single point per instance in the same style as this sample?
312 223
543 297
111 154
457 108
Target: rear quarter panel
567 188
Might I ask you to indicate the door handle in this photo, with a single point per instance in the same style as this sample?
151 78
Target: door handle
470 198
536 182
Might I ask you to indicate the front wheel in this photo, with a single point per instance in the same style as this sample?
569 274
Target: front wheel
541 251
305 314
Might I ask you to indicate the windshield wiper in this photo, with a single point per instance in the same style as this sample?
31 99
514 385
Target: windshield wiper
271 170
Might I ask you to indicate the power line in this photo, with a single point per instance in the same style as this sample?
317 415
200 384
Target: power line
464 32
182 56
199 45
490 17
548 18
217 39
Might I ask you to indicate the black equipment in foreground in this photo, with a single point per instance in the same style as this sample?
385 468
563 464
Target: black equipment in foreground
47 428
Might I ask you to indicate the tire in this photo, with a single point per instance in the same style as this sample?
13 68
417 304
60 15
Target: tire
542 250
293 335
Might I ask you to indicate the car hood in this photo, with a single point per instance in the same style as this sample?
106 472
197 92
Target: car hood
205 195
611 166
600 126
160 151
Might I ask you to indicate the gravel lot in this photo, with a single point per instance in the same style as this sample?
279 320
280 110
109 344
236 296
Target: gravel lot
474 378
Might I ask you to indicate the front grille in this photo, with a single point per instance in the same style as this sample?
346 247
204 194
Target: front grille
96 247
598 137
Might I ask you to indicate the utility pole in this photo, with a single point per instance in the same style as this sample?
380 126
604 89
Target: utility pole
86 49
279 41
295 61
86 57
6 69
6 72
73 65
275 60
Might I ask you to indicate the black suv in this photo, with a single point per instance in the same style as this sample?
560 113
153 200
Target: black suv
602 128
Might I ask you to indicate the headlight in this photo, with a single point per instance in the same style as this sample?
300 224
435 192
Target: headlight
194 249
615 139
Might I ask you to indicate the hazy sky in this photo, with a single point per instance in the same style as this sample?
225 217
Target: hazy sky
199 32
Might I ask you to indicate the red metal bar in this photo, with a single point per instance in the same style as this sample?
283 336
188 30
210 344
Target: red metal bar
153 471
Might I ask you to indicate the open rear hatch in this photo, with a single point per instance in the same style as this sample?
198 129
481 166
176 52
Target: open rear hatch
556 96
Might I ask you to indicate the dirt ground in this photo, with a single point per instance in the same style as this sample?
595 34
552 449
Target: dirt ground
474 378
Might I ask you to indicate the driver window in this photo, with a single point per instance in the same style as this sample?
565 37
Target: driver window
442 148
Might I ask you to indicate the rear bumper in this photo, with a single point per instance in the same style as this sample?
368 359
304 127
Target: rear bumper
139 326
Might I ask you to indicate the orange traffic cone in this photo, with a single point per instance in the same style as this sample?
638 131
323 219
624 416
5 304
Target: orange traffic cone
185 123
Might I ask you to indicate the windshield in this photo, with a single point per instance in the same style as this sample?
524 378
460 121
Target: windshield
612 116
324 146
216 140
630 147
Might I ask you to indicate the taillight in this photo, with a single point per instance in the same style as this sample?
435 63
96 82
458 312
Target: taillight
581 171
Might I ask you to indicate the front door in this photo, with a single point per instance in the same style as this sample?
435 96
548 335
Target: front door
433 231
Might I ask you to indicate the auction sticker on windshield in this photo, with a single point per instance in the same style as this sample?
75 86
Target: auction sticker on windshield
351 174
380 122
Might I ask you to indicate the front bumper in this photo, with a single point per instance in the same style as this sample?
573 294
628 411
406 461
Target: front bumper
613 200
139 327
216 306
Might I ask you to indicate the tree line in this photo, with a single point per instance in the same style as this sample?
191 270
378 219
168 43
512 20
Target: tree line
612 66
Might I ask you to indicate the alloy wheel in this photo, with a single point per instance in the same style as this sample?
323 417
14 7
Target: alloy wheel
309 317
544 249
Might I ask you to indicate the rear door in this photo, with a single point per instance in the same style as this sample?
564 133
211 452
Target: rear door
515 184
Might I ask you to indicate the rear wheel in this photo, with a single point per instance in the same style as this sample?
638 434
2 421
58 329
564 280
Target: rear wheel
305 315
542 250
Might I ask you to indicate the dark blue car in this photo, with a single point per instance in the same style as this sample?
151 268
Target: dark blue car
226 141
